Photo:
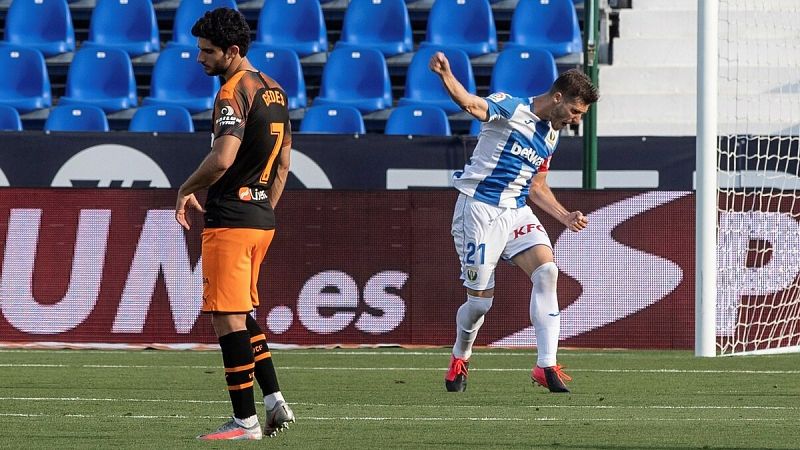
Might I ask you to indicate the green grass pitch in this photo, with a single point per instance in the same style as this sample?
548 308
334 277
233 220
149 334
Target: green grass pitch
395 398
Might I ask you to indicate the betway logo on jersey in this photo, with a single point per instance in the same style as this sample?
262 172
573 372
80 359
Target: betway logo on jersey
527 153
227 117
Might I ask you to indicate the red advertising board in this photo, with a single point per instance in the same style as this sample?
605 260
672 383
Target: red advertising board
112 266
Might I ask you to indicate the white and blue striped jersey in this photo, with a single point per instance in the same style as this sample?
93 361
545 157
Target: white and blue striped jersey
513 145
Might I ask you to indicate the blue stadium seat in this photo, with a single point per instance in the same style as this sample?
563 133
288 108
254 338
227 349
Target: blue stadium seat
282 65
475 127
178 80
9 119
356 77
129 25
467 25
76 118
295 24
551 25
380 24
45 25
332 119
102 78
24 83
186 16
538 66
162 119
424 87
418 120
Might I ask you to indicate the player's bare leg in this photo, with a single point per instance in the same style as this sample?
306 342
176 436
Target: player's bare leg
537 262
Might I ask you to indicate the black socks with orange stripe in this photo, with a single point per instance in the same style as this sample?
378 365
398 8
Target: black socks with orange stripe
237 357
264 368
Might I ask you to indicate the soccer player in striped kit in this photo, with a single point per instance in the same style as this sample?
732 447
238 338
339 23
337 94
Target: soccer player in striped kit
492 219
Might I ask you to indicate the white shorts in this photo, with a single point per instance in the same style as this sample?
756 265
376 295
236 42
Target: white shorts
484 233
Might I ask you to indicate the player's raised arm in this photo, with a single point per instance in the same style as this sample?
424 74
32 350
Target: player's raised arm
542 196
472 104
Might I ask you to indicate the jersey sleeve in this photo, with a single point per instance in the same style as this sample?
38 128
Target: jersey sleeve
502 105
230 111
545 167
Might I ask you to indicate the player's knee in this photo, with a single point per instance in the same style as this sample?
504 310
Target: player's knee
479 305
228 323
545 277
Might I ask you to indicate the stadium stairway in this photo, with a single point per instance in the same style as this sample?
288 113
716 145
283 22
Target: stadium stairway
650 89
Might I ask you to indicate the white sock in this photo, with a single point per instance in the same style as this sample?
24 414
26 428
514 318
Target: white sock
272 399
249 422
545 316
468 321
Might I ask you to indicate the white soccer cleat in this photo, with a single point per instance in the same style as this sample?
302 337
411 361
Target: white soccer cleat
278 418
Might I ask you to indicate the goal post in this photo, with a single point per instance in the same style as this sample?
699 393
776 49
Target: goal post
706 176
747 272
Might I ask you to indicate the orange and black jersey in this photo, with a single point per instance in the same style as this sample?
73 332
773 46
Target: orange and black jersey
252 107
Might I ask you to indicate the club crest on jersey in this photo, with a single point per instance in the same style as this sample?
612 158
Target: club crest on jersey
472 274
227 117
527 153
498 97
551 138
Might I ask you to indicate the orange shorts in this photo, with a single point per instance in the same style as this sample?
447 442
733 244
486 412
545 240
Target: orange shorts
231 260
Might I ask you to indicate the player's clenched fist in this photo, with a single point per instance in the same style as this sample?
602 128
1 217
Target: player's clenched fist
439 63
576 221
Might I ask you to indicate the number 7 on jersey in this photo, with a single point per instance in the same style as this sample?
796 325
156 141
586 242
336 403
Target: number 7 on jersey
275 129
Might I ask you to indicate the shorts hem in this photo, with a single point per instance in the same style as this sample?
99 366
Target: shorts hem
212 311
474 289
523 251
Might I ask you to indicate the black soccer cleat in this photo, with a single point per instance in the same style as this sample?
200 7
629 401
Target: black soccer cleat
551 377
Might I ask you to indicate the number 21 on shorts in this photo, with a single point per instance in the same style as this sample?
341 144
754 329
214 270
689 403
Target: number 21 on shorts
472 249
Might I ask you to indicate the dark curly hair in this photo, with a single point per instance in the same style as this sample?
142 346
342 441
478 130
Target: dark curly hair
224 27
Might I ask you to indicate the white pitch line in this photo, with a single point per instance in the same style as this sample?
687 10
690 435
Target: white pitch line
115 400
526 369
334 352
556 419
414 369
530 354
421 419
331 351
35 365
21 415
636 407
373 405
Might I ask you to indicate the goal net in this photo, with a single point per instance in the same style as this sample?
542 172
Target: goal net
758 178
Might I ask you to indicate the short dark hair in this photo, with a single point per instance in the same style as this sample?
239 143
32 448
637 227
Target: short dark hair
574 84
224 27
